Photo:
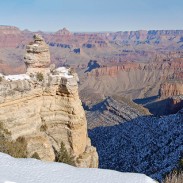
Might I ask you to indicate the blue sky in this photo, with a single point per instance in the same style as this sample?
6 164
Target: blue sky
92 15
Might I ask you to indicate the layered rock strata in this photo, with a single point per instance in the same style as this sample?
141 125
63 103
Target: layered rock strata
46 111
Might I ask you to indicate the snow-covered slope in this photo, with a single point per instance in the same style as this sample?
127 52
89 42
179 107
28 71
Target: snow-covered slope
34 171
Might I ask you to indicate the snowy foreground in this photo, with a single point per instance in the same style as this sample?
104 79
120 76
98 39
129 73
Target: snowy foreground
34 171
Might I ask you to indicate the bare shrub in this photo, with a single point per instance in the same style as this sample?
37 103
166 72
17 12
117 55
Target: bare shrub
16 148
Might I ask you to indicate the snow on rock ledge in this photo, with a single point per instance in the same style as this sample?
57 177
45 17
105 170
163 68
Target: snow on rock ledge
63 72
17 77
31 171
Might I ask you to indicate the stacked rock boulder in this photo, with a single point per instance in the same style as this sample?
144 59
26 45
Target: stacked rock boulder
37 58
45 112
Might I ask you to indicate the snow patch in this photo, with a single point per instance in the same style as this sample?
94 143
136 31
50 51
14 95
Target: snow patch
31 171
63 72
17 77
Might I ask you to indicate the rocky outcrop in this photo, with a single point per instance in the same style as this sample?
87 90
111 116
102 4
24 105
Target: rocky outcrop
171 88
46 110
112 111
170 97
37 57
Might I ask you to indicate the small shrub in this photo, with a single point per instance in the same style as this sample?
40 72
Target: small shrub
39 76
64 157
43 128
36 156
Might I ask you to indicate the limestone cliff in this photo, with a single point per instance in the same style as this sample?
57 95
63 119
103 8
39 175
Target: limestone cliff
43 107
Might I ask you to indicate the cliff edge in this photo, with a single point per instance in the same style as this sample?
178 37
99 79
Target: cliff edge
43 108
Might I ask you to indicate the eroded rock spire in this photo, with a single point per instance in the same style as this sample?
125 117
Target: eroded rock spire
37 58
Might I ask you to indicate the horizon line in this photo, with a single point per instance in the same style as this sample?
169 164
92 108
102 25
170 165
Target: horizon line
97 31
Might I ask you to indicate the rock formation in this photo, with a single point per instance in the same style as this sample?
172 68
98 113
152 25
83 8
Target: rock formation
43 108
37 58
171 88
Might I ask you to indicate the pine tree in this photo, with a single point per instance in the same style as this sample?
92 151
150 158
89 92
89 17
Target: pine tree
64 156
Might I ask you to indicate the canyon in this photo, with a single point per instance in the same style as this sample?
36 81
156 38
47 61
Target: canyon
138 65
130 86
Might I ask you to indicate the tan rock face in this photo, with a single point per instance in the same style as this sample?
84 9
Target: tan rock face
46 112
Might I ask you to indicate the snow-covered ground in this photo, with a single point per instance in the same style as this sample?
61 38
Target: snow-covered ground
17 77
34 171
